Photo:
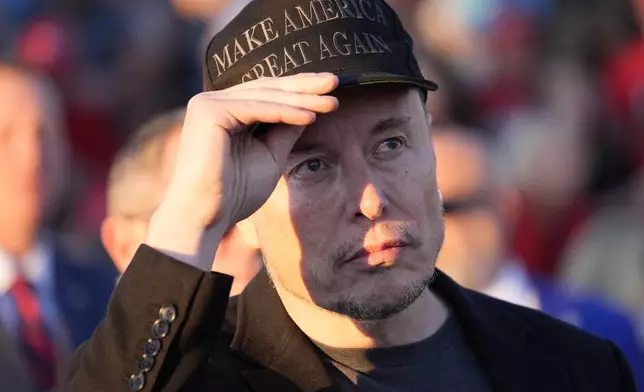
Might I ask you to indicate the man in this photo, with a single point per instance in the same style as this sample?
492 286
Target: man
49 303
476 255
136 184
341 193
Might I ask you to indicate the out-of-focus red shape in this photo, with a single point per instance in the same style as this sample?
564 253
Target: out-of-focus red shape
46 46
540 248
93 135
624 86
512 30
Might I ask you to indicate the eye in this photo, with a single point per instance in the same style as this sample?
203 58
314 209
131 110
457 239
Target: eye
388 145
312 166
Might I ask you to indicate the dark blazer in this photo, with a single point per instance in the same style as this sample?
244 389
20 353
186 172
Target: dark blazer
82 291
261 349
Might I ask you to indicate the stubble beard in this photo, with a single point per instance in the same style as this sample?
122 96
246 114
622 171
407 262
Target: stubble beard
373 309
377 309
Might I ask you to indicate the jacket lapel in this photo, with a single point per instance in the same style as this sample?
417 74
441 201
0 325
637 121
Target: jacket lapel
499 340
266 334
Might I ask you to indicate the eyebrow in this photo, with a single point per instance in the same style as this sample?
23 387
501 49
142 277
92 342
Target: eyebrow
382 126
389 123
305 148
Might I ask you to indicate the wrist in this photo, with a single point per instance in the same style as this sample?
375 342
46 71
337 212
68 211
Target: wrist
175 234
178 230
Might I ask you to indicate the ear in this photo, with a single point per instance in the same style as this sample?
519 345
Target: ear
121 240
429 118
249 233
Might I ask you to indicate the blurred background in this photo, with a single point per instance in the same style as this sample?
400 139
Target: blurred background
538 125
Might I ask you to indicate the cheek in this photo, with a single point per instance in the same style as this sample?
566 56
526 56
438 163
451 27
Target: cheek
291 228
315 222
276 233
295 238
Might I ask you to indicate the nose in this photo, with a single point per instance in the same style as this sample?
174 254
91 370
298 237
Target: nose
372 203
364 194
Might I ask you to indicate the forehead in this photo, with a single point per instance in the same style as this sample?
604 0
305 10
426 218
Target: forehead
363 107
19 98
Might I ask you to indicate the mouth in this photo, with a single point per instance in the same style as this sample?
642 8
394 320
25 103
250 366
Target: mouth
382 254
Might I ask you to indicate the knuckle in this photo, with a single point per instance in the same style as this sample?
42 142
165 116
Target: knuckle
196 101
200 103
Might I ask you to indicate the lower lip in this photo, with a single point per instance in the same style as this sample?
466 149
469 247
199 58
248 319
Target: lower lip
386 257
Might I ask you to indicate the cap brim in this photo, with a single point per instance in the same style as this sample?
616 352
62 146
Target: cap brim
365 78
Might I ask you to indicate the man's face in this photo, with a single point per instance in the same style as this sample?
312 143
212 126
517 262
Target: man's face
21 141
473 246
147 192
355 223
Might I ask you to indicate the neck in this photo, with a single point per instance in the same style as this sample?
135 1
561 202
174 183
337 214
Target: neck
236 258
251 264
16 242
419 321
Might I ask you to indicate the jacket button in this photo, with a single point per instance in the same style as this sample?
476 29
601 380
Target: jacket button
160 329
136 382
152 347
146 364
168 313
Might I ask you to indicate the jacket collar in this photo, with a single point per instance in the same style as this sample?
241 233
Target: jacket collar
265 333
501 341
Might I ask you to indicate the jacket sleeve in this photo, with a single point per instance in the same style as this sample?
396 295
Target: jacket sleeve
162 322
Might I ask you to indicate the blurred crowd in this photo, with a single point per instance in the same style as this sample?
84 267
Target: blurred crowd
538 126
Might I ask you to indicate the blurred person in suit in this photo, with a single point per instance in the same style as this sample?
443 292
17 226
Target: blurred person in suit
137 182
548 158
614 233
49 303
476 254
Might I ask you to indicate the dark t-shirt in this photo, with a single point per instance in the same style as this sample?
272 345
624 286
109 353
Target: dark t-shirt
441 363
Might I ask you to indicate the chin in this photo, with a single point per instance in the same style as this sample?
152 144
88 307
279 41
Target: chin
379 295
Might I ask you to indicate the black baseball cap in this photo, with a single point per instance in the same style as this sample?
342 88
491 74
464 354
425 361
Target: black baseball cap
361 41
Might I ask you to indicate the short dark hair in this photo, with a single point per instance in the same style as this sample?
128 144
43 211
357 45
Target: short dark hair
136 168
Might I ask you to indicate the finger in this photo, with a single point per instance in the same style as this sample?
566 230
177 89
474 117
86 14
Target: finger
312 102
280 141
249 112
311 83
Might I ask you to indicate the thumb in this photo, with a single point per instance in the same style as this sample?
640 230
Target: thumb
280 139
